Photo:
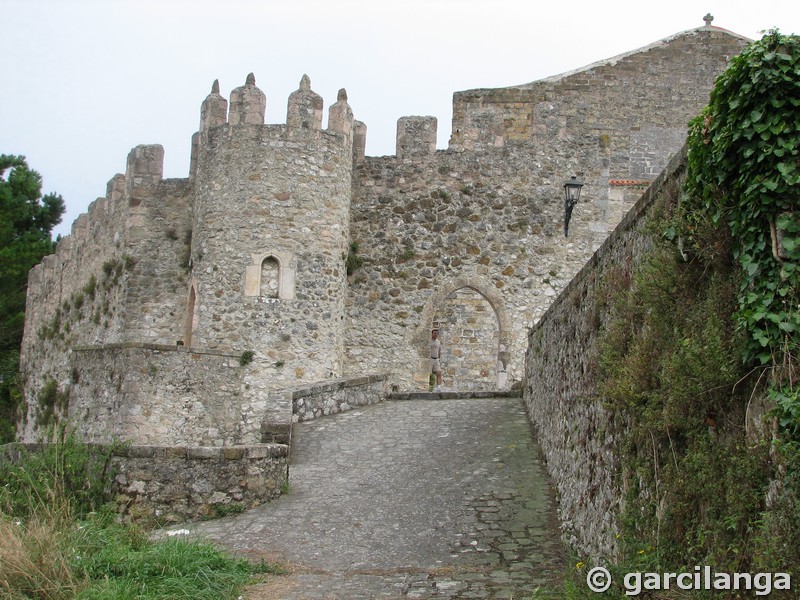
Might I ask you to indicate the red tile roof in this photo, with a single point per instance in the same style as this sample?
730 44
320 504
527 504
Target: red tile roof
629 182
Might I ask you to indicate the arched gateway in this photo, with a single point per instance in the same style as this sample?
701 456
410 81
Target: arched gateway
473 328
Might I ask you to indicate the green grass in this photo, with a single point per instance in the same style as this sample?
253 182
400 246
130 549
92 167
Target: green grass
123 566
53 548
52 557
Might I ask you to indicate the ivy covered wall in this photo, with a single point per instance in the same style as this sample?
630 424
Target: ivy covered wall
663 381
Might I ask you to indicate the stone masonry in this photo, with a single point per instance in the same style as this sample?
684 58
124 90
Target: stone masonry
184 311
485 216
576 432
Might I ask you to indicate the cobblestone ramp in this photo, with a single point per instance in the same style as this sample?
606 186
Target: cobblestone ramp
407 499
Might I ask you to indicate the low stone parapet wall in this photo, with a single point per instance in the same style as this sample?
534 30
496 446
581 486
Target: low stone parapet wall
337 395
460 394
173 484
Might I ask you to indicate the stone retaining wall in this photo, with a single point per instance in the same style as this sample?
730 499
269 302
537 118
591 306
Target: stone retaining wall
172 484
336 396
576 432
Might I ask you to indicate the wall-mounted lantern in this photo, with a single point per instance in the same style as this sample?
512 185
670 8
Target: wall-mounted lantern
572 191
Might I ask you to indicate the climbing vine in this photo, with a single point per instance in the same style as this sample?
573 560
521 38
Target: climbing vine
744 173
704 325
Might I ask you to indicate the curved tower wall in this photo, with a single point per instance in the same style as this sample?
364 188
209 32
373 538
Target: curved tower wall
269 242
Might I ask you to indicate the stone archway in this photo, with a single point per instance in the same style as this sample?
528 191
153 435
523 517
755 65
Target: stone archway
470 334
474 329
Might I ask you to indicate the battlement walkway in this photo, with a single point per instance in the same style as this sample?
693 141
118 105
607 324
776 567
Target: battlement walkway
417 498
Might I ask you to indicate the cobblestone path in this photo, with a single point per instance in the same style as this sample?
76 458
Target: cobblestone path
407 499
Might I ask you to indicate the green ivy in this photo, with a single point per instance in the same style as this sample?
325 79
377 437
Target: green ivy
744 173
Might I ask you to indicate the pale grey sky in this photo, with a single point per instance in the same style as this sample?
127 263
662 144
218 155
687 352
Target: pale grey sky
84 81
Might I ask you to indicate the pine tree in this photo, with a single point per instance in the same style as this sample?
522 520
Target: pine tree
26 221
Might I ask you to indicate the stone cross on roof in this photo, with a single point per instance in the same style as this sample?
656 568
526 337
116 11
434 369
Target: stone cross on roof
708 18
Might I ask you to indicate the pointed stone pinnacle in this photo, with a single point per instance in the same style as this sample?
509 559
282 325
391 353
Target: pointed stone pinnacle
215 87
251 79
305 84
342 97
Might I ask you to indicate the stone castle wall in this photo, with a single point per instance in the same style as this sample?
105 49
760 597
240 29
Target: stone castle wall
477 229
636 102
244 257
118 277
336 396
146 309
289 205
576 432
162 395
491 223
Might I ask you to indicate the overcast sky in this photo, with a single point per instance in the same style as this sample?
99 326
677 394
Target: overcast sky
84 81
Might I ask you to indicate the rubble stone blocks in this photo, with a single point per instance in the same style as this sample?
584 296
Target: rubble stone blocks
183 312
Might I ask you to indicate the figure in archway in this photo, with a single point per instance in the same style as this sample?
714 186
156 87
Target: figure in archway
474 331
436 354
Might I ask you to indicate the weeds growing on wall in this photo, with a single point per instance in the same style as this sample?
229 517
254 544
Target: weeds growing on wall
52 404
708 328
246 358
353 261
671 371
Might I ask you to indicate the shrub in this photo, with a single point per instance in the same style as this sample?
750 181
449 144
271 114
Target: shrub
246 358
353 261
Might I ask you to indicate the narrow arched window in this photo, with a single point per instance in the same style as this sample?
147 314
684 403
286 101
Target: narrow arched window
270 277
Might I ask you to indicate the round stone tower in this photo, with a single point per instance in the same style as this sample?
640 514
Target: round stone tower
270 235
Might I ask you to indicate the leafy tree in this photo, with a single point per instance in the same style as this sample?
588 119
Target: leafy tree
26 221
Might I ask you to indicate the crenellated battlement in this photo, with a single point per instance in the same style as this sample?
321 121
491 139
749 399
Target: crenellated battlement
416 137
82 292
247 107
141 210
109 220
287 245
